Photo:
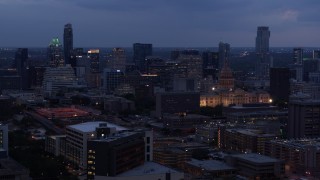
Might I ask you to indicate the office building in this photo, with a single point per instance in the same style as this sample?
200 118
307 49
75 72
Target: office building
208 169
316 54
264 60
262 40
56 145
67 43
56 79
177 102
117 60
304 117
4 138
301 156
210 65
111 79
140 52
21 58
77 137
244 140
224 53
280 83
310 66
311 89
55 54
190 66
184 122
297 55
111 155
93 56
256 166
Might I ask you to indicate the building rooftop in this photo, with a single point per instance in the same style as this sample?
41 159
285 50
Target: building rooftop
148 168
251 132
9 167
299 143
210 165
91 126
116 136
256 158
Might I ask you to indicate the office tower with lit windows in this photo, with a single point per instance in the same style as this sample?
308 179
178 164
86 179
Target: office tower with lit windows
117 60
140 52
67 42
224 53
55 55
264 61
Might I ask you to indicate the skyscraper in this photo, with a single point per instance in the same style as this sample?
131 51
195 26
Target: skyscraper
21 57
262 40
94 58
140 52
117 60
297 55
55 55
67 42
210 63
264 60
224 53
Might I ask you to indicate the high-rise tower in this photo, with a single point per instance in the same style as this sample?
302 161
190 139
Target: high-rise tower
262 40
224 53
55 54
264 60
67 42
297 55
21 58
140 52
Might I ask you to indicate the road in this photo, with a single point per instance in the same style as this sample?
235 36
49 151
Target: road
45 122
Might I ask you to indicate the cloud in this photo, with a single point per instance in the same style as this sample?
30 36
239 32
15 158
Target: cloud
289 15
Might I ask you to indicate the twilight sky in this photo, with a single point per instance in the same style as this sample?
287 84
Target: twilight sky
164 23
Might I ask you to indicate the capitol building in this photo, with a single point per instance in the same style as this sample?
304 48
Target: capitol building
224 92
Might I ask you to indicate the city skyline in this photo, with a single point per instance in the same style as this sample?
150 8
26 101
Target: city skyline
162 23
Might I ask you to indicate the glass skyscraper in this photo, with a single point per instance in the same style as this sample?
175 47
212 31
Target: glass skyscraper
67 42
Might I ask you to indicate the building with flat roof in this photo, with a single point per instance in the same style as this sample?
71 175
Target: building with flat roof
56 145
77 137
244 140
304 117
10 169
177 102
256 166
112 155
301 155
147 171
210 168
185 121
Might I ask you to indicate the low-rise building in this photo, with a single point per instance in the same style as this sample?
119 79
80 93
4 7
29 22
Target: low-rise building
209 168
184 121
256 166
244 140
301 155
77 137
56 145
